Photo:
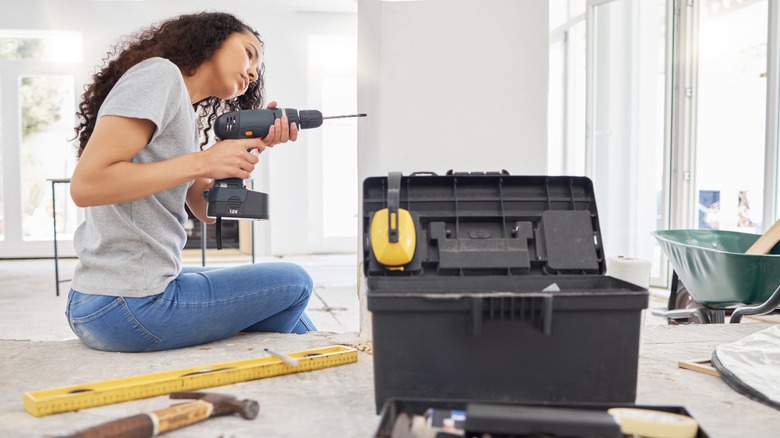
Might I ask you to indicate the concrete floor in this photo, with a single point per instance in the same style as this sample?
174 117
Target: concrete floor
31 310
38 351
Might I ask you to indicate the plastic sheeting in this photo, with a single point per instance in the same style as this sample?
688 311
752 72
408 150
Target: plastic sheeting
751 365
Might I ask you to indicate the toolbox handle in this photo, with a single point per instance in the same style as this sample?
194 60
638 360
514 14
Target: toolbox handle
535 310
423 173
502 172
393 203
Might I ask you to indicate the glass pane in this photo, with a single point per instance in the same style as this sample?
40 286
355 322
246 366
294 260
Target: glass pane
563 10
2 205
566 103
47 109
339 159
558 13
731 100
556 108
576 97
626 135
336 58
63 47
21 48
576 7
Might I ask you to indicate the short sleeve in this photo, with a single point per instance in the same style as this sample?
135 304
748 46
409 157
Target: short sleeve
151 90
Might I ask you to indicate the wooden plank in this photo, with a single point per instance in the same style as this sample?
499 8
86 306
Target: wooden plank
767 241
700 365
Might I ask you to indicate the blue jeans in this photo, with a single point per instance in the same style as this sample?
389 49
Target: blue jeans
201 305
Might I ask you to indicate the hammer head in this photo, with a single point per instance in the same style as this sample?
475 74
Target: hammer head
224 404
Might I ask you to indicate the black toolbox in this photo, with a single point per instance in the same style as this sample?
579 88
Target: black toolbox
505 297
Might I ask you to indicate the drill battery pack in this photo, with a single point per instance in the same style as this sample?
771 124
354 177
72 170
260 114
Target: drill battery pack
229 199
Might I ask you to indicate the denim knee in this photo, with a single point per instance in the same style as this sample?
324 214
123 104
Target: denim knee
303 278
309 282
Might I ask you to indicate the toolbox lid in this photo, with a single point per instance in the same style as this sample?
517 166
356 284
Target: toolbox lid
484 224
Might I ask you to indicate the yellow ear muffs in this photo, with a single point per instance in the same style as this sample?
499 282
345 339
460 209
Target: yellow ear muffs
393 238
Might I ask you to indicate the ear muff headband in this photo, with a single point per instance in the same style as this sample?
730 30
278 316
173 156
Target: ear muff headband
393 236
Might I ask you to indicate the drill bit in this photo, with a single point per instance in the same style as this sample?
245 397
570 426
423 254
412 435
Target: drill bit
346 116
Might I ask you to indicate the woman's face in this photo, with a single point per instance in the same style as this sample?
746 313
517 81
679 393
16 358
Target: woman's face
235 64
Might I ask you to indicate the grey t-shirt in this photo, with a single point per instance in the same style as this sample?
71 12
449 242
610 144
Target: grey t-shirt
134 248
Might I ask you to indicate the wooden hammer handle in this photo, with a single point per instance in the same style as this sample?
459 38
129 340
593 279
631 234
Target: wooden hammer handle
137 426
767 241
151 424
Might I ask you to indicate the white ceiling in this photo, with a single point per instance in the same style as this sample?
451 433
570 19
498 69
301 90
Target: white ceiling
318 5
299 5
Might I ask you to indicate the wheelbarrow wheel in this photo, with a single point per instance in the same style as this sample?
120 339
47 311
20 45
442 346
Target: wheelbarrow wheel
680 298
683 300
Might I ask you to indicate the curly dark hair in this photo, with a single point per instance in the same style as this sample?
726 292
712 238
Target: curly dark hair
187 41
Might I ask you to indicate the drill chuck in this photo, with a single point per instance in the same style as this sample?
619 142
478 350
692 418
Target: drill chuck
309 119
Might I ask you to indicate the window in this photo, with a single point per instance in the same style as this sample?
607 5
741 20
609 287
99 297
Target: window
47 120
731 116
38 71
625 143
566 105
45 46
682 122
608 114
2 207
332 62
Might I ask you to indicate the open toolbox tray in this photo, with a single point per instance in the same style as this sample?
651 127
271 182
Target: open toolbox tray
488 225
568 422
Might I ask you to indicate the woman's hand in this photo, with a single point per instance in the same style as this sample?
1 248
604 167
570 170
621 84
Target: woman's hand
232 158
281 131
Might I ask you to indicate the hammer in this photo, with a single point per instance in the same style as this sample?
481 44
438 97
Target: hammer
205 405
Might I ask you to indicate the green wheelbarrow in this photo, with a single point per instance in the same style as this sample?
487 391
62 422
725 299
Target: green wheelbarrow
713 276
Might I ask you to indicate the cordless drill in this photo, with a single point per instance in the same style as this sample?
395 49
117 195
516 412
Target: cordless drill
256 123
228 198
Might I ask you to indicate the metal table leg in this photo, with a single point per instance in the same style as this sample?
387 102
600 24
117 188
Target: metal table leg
203 243
54 221
57 280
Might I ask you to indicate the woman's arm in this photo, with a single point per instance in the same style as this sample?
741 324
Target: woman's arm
105 175
196 202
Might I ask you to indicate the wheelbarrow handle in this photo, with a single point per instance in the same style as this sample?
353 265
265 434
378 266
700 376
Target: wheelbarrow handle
769 305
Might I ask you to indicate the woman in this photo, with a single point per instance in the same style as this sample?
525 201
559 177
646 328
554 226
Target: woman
140 162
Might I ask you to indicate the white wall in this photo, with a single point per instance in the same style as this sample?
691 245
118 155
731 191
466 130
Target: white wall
451 84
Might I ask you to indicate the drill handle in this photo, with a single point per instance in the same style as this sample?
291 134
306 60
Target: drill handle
229 182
